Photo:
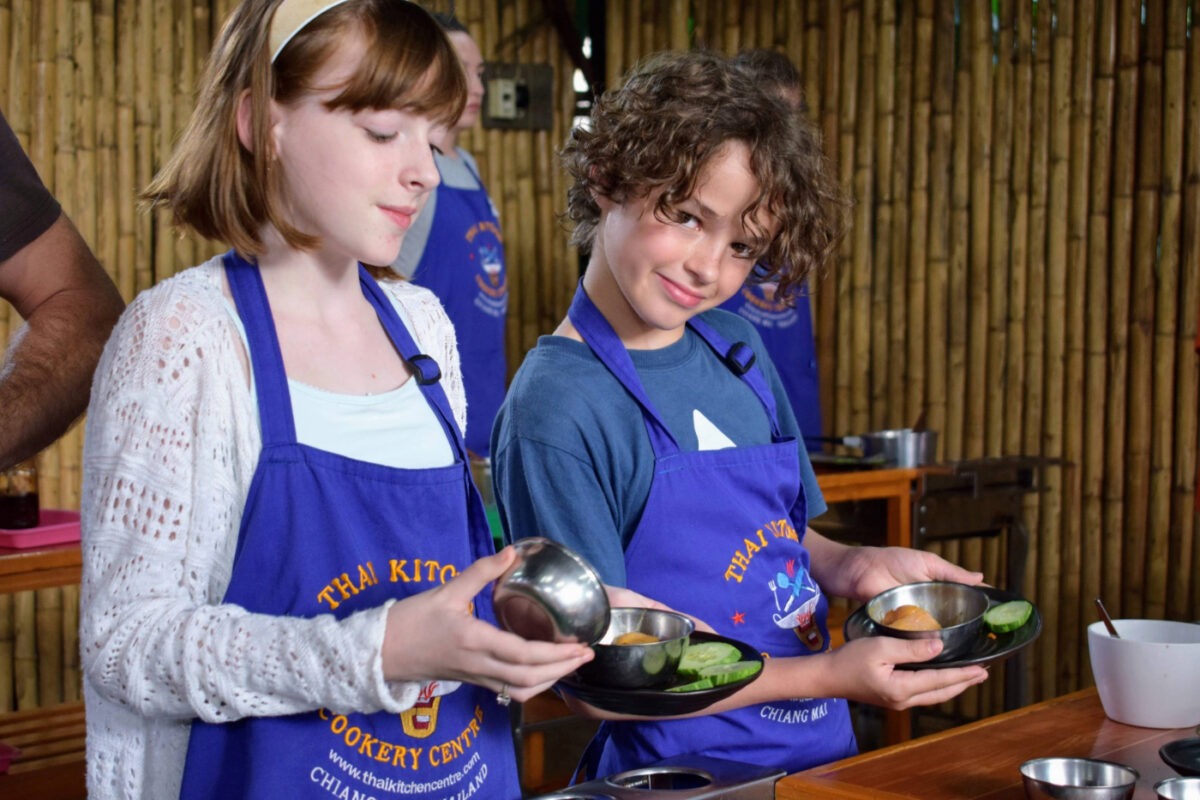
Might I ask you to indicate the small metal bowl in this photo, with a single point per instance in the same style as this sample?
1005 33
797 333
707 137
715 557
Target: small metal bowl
958 608
552 594
1077 779
638 666
1178 789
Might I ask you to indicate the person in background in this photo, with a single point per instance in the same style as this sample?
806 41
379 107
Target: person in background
651 431
284 556
456 250
68 302
784 322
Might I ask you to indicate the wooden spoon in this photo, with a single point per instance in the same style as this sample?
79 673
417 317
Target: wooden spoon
1108 623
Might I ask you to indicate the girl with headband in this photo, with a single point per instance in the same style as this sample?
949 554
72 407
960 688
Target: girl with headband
284 555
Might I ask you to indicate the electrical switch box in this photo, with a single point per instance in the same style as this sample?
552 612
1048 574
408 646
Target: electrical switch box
518 96
502 98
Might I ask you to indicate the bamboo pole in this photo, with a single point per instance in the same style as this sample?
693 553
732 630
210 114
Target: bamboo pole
956 278
1143 398
25 671
827 114
1185 594
1013 379
978 34
1097 328
7 653
48 640
916 48
1050 534
1121 243
938 267
859 128
892 85
72 681
1162 537
1035 396
1072 652
873 226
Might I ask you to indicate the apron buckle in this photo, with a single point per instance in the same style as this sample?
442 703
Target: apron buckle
740 358
426 369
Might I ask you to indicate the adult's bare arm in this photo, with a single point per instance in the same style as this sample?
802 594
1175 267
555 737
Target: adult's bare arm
69 305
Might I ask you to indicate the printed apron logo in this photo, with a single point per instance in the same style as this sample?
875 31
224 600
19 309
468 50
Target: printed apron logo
799 609
491 280
801 595
420 721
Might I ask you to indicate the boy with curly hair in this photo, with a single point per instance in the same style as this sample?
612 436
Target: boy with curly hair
651 433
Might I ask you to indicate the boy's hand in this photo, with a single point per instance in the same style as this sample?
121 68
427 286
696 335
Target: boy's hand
620 597
865 671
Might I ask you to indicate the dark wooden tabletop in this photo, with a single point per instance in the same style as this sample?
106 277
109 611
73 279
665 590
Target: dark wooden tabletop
982 759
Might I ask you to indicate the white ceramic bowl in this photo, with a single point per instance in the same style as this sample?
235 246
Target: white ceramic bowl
1149 676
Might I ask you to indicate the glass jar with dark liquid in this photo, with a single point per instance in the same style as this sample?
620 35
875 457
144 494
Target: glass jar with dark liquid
19 496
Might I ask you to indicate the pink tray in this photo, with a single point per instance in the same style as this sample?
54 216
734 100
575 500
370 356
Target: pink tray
8 754
57 527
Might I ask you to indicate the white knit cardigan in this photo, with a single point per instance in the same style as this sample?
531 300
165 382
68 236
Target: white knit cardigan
172 442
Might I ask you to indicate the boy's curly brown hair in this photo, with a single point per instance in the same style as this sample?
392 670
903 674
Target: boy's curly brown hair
658 132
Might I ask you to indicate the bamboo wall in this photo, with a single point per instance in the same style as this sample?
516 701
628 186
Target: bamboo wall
1022 261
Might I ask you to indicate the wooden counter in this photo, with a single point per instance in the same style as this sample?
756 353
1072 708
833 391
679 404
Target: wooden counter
982 760
39 567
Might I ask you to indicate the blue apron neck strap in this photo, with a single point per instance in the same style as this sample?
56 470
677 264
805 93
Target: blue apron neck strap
426 371
740 358
266 358
599 335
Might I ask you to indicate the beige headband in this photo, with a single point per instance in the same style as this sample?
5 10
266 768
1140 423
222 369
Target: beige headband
291 17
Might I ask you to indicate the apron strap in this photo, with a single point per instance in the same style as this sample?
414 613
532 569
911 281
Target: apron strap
740 358
266 358
599 335
425 369
589 762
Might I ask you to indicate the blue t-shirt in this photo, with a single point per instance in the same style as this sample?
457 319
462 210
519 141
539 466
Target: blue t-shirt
570 456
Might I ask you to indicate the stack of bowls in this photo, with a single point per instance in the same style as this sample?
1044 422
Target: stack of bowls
1077 779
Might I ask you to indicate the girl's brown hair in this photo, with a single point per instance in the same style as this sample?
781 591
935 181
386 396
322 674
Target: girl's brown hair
676 111
218 188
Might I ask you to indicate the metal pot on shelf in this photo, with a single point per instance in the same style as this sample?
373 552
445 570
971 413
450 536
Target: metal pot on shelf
898 447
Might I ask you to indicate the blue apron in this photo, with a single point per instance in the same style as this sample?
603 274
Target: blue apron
728 526
325 534
787 334
463 264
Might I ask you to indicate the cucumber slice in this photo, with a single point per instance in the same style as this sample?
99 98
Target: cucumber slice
1007 617
694 686
706 654
721 674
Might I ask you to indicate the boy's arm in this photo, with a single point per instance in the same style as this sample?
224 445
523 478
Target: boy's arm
545 491
862 670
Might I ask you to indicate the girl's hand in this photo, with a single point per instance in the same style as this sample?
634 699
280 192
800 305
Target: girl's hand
434 636
865 671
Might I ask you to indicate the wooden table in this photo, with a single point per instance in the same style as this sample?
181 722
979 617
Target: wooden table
39 567
891 485
982 759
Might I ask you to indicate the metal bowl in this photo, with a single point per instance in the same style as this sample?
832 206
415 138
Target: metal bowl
550 593
1077 779
638 666
957 607
1178 789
